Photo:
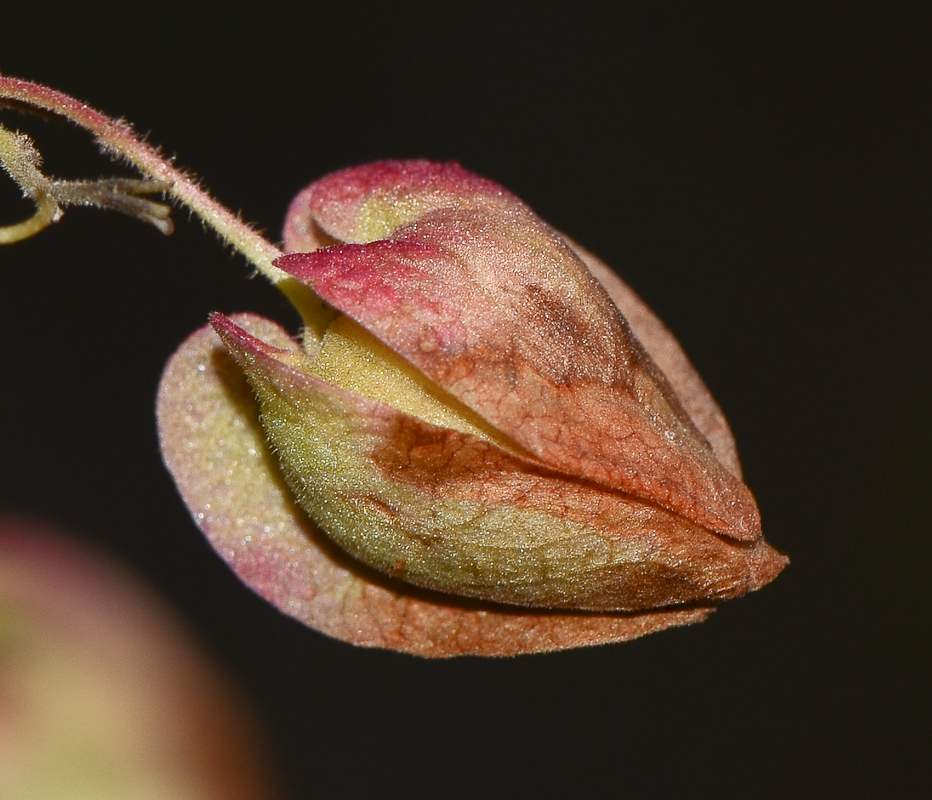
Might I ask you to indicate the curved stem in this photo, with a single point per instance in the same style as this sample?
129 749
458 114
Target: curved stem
117 138
47 211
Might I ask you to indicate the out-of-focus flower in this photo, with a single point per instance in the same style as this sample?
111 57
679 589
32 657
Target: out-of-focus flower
102 694
475 417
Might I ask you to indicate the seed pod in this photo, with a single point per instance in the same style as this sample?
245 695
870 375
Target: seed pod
479 419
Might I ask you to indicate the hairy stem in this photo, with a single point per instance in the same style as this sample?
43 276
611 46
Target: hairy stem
117 139
23 162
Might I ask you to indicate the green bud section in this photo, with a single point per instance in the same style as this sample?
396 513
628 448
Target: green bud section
451 511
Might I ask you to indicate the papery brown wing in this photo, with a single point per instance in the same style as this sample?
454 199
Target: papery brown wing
494 307
667 354
302 234
215 448
451 511
356 204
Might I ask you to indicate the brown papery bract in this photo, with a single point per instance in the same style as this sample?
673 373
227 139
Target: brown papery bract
215 448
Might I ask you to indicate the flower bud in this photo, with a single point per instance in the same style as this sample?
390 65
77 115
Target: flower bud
479 419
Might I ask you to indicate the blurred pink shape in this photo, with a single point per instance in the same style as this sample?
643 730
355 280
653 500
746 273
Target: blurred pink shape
102 693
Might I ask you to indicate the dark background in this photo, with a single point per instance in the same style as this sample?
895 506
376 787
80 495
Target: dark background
761 175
